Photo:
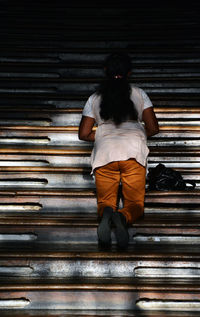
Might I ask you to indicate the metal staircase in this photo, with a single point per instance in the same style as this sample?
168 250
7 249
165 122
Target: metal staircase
50 263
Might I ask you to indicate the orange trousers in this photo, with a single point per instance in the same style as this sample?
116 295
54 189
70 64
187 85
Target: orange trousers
132 176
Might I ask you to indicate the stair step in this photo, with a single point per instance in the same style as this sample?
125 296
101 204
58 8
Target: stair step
79 101
169 197
83 203
51 93
88 52
166 45
85 170
81 158
172 197
93 283
87 87
65 74
53 260
48 70
93 313
95 34
82 151
68 136
126 294
90 18
84 161
88 57
76 220
186 127
84 251
64 118
21 110
62 177
65 122
180 229
143 74
78 178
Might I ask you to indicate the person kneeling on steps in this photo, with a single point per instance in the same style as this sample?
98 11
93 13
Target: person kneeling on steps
125 118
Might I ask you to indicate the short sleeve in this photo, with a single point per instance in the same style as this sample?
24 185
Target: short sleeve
147 101
88 109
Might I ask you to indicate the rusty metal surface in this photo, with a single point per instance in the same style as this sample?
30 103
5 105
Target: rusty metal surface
61 118
91 313
93 251
86 313
182 269
74 178
82 159
99 300
56 136
82 204
62 178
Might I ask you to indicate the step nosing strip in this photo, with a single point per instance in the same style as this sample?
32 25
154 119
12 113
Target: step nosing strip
18 237
14 303
181 305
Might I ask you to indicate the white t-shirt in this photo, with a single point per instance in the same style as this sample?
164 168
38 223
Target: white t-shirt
122 142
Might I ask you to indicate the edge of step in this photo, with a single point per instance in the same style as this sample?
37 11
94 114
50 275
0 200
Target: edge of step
93 251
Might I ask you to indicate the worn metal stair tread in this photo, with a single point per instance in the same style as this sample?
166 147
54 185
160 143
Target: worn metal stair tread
65 169
94 35
25 250
153 77
169 45
162 221
52 177
140 48
60 150
76 192
104 49
35 112
73 230
33 203
156 95
167 128
78 34
82 283
60 74
86 151
158 109
35 64
76 58
52 91
69 119
47 169
85 22
92 313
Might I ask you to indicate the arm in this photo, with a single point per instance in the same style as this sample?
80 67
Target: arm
85 132
150 121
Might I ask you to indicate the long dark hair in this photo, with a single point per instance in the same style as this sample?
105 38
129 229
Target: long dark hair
116 104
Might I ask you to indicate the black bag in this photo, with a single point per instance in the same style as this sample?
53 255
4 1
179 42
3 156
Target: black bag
164 178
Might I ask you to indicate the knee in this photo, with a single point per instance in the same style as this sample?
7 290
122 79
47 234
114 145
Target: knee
101 207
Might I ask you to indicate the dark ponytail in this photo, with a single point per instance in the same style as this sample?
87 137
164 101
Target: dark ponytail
116 104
